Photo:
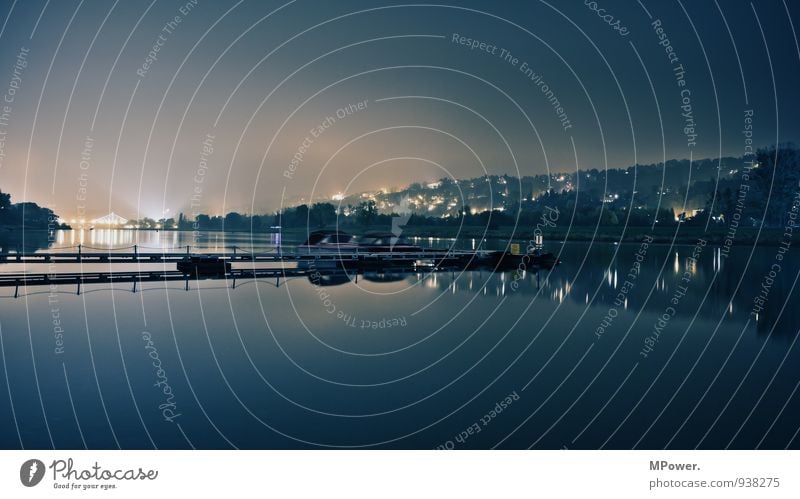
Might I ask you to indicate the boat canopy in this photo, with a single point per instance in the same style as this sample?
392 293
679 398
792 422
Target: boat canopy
327 236
383 238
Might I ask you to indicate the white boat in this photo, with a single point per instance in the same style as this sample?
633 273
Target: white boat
327 242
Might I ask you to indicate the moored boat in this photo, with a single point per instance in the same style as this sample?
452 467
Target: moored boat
328 241
384 242
203 265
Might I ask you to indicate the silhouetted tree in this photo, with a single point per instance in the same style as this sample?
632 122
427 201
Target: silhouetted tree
5 200
366 213
233 221
322 214
777 179
202 222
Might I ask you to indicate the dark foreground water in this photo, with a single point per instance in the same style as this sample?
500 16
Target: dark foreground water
678 356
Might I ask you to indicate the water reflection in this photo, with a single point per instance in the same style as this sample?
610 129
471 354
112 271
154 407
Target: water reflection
414 347
337 279
146 240
592 275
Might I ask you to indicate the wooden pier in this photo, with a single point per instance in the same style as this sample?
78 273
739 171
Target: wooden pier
300 264
236 255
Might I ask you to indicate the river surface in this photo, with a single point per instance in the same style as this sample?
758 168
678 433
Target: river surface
621 346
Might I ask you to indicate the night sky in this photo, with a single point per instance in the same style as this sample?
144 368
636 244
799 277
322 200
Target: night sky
371 95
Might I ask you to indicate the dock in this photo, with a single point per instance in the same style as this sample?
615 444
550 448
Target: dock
235 255
435 257
285 264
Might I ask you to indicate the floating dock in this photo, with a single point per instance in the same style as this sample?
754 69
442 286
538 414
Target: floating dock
299 265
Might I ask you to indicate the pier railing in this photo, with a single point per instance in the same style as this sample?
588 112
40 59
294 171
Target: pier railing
79 254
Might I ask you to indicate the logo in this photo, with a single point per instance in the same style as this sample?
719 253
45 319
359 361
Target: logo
399 222
31 472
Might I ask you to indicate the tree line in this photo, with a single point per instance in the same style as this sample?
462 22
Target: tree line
26 215
762 192
771 182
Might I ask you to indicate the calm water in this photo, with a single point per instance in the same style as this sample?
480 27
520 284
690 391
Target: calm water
573 358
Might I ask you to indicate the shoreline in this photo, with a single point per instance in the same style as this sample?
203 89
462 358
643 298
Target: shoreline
602 234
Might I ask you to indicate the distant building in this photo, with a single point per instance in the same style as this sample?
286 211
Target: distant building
110 219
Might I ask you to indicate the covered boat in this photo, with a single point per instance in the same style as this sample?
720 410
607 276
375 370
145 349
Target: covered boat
204 265
382 242
328 241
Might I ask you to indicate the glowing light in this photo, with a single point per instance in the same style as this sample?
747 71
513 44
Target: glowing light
110 219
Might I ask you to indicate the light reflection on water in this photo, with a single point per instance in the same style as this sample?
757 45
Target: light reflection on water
313 359
556 286
146 240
